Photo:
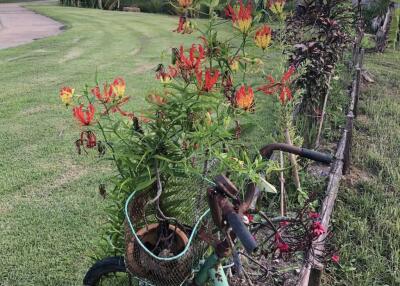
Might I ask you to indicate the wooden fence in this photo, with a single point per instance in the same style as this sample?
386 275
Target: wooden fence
312 269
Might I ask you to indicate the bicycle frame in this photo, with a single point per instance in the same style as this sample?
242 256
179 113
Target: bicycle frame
212 268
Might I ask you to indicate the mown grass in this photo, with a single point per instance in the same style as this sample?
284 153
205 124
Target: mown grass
50 210
367 216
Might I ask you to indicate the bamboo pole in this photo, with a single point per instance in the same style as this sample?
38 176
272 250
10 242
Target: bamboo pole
321 122
357 90
347 152
312 268
282 181
293 162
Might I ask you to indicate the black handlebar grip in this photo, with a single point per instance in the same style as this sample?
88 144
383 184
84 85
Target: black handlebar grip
316 156
241 231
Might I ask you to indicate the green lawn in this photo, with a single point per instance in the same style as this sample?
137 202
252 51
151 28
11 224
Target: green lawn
50 210
367 218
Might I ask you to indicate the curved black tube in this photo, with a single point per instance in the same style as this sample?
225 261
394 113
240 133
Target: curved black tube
241 231
267 151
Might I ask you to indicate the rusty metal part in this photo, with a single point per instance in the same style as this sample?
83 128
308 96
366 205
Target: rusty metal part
250 196
215 208
225 185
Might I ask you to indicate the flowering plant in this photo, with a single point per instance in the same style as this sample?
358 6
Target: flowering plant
193 118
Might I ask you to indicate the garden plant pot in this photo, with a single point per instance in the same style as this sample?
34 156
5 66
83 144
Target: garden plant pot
141 264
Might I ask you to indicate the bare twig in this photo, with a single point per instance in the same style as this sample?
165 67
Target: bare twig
321 122
254 261
247 278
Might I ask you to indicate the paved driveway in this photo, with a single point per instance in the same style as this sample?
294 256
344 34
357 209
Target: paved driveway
20 26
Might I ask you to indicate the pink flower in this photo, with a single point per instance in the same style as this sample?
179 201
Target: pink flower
335 258
317 229
313 215
284 223
283 246
280 244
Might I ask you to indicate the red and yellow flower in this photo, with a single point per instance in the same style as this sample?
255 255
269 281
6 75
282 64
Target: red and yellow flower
209 81
244 97
66 95
185 3
166 77
119 87
106 96
276 6
196 55
263 37
85 117
156 99
285 94
184 26
208 118
240 15
234 65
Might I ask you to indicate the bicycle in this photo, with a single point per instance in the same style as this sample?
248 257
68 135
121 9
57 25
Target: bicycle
227 213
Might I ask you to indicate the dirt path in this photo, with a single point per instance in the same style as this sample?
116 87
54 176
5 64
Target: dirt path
20 26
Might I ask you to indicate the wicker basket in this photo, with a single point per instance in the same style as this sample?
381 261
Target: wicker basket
164 253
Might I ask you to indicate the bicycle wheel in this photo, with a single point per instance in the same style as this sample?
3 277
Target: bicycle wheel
109 271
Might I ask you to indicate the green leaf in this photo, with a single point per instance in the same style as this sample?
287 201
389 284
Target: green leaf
144 185
214 3
263 185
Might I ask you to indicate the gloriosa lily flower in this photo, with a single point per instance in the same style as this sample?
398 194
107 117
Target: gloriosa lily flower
166 77
276 6
86 140
196 55
117 108
244 98
156 99
263 37
84 117
66 95
184 26
234 65
185 3
209 81
285 94
241 16
208 118
119 87
106 96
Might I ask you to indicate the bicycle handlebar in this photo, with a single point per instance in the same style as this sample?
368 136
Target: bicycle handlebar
241 231
267 151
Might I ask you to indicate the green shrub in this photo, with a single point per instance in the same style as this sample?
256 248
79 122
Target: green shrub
151 6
